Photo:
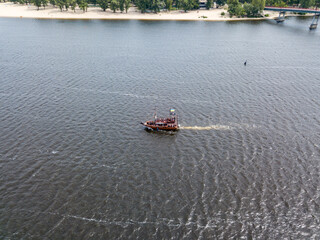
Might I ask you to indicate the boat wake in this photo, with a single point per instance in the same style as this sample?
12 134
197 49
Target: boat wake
125 223
211 127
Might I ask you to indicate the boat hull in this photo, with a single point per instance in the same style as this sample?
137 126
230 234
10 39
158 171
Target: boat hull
162 128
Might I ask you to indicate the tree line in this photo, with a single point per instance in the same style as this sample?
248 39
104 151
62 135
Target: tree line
295 3
254 8
239 8
119 5
62 4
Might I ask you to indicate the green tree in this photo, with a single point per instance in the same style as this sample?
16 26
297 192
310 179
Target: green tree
250 10
60 4
187 5
121 5
168 4
260 4
221 2
53 2
280 4
232 4
293 2
114 5
37 3
195 4
73 5
307 3
270 2
127 4
103 4
142 5
67 4
239 11
156 5
209 4
83 5
178 4
235 8
44 3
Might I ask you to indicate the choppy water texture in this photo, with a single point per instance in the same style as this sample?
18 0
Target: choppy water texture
76 164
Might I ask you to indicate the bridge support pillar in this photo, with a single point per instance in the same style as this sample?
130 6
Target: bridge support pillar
314 22
281 17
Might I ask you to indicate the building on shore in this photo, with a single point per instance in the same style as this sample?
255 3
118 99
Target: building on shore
202 3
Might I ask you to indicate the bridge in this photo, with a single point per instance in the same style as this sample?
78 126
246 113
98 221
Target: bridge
282 11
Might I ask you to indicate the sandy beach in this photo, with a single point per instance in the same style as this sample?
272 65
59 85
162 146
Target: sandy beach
50 12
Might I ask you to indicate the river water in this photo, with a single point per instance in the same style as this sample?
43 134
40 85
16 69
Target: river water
76 164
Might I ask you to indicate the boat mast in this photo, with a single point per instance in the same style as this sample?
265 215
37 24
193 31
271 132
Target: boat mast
155 114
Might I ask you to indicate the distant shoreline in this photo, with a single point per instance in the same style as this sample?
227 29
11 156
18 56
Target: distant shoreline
11 10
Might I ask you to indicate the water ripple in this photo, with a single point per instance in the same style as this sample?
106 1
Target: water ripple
76 163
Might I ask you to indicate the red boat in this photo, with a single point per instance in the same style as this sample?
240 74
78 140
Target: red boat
168 124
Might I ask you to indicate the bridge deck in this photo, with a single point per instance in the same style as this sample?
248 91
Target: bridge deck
288 9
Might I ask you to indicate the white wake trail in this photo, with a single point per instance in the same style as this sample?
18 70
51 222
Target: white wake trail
211 127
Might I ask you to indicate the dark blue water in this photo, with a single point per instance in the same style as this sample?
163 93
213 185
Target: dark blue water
76 164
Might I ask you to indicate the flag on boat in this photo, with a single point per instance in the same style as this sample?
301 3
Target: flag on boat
172 110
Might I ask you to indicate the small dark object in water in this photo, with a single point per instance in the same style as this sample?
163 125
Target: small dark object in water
245 63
